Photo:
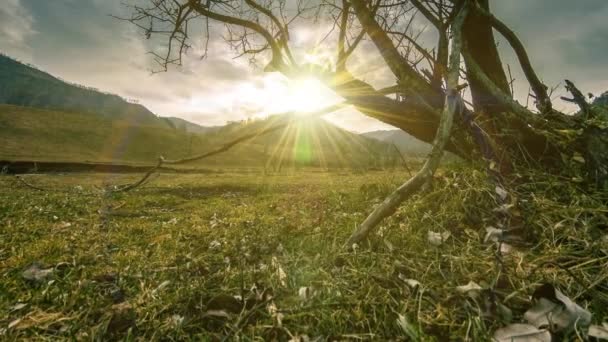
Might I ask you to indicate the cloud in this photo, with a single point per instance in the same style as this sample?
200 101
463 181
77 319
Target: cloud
79 42
16 26
564 39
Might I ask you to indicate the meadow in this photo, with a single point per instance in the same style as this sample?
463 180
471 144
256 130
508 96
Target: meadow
225 256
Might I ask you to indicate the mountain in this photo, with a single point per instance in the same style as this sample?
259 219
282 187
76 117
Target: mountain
187 126
601 100
33 134
25 85
43 118
407 144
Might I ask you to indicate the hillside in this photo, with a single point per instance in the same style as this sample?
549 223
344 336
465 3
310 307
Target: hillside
407 144
24 85
49 135
309 141
43 118
187 126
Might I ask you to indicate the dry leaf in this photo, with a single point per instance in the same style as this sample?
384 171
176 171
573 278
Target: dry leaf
493 234
502 193
305 292
274 313
471 286
558 315
521 333
505 248
599 331
436 239
35 273
413 283
161 286
17 307
281 274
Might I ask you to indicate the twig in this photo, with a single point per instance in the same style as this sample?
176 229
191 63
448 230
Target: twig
22 181
579 99
452 104
403 159
227 146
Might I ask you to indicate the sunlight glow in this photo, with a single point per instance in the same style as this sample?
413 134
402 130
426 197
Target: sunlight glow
306 95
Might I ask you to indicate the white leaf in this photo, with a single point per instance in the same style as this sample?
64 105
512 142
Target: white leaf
14 323
413 283
177 320
305 292
502 193
493 234
471 286
35 273
274 313
599 331
214 245
409 329
217 313
503 209
161 286
505 248
521 333
436 239
557 316
17 307
281 274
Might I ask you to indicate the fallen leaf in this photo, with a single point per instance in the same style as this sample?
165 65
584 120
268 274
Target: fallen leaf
471 286
36 273
521 333
14 323
305 292
413 283
214 245
436 239
176 320
161 286
599 331
281 274
558 312
274 313
505 248
503 209
502 193
64 225
17 307
217 313
493 234
409 329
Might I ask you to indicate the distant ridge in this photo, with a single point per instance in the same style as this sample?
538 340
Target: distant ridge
406 143
25 85
43 118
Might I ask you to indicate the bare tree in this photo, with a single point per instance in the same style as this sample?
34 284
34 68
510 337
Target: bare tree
425 98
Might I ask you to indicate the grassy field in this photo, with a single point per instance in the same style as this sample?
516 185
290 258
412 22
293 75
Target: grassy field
32 134
257 257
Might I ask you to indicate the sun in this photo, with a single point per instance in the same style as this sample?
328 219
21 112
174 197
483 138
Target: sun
308 95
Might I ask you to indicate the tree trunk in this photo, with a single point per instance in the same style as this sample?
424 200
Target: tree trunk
480 42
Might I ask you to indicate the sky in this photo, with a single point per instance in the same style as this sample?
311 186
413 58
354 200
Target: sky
78 40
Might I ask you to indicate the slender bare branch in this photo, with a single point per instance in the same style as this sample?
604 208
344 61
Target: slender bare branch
452 105
543 102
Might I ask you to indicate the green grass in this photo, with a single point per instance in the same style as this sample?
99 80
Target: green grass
46 135
161 261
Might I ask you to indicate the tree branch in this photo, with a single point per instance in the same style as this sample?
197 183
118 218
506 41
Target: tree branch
277 60
452 104
543 101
